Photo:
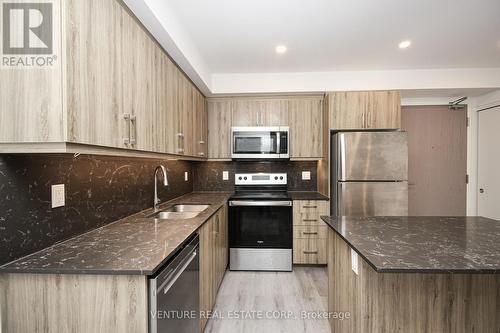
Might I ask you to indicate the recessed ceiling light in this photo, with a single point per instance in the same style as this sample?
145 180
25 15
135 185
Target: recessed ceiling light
404 44
281 49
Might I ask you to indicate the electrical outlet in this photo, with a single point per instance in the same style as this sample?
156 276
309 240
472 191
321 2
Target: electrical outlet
306 175
354 261
186 176
58 197
225 175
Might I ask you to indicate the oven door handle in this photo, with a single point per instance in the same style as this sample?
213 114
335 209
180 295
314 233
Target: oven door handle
261 203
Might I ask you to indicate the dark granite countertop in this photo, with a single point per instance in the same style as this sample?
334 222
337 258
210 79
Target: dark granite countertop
307 195
423 244
133 245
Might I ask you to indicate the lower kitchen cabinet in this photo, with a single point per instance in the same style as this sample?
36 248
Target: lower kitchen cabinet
213 260
73 303
309 232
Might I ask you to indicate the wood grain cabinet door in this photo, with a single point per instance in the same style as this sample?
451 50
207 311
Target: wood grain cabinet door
247 112
306 127
200 130
213 259
274 112
384 110
171 127
260 112
220 117
95 109
139 85
364 109
207 257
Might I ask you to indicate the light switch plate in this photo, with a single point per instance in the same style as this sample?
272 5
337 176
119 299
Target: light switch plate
354 261
306 175
186 176
57 196
225 175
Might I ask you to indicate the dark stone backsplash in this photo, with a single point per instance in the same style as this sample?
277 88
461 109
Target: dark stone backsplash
99 190
208 175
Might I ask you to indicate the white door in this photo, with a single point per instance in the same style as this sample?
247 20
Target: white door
489 163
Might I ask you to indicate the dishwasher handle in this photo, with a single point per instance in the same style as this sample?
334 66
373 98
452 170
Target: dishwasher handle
178 272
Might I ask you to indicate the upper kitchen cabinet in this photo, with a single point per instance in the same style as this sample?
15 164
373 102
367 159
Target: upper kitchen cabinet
141 66
200 126
112 86
364 110
306 127
220 119
95 104
260 112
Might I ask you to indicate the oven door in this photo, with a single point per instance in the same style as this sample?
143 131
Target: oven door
255 142
260 224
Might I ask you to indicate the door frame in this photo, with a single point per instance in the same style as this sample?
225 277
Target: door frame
483 103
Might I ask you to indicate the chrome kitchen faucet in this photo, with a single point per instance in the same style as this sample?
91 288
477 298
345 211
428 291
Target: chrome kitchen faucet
156 202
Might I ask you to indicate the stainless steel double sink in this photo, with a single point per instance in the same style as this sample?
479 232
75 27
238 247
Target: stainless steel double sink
180 212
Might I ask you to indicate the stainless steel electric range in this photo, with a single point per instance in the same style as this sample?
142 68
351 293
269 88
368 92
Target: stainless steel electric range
260 224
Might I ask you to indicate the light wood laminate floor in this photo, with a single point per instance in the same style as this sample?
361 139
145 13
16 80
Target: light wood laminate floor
286 296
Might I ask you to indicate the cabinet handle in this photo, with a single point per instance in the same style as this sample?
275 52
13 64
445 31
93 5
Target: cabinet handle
133 124
310 252
218 224
126 138
310 220
310 233
201 154
201 142
180 143
309 206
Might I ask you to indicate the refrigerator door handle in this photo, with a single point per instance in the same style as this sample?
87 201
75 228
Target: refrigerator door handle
342 152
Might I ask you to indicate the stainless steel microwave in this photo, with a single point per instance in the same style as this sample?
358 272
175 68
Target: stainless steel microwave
260 143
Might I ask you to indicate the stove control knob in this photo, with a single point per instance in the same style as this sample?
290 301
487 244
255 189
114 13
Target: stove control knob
276 178
281 178
240 178
245 178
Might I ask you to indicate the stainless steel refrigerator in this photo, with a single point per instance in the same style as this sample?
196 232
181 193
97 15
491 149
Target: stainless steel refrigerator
369 173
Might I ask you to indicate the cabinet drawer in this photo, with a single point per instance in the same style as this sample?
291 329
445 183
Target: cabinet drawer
308 207
308 212
309 251
311 231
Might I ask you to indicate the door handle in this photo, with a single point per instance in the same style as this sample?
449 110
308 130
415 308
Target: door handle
178 274
481 190
126 138
133 124
180 139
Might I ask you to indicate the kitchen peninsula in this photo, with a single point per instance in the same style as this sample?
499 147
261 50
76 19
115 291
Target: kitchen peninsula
414 274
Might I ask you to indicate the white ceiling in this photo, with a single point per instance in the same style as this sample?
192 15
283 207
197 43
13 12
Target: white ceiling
227 46
329 35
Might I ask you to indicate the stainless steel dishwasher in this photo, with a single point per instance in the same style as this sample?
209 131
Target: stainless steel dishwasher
174 298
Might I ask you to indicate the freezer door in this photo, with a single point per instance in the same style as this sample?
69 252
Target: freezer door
372 156
372 199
